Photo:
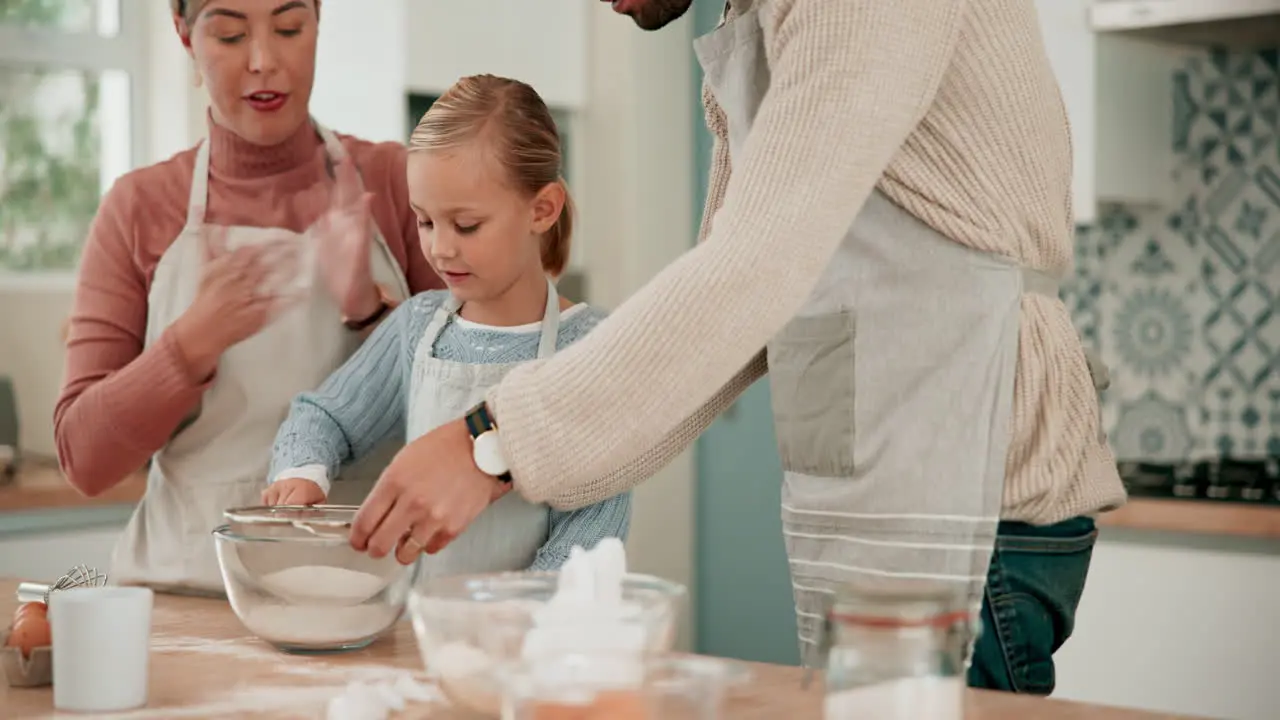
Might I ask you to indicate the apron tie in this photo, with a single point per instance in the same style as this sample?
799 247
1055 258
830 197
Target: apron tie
1038 282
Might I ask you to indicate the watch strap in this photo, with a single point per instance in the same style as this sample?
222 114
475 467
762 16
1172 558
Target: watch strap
480 421
385 304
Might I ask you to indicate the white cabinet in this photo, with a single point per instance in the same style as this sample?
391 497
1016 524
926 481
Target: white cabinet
1119 97
542 43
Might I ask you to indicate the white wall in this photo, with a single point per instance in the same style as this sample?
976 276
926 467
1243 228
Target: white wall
361 69
1178 624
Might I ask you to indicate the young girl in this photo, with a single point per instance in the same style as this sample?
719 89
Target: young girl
494 219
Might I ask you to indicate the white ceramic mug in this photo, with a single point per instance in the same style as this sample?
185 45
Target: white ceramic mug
101 648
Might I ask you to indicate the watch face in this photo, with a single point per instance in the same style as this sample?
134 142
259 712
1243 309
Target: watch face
487 452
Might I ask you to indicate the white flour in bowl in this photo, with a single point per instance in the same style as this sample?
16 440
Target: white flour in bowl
315 625
307 584
322 605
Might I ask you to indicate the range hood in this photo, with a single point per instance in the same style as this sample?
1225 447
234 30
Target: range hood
1234 23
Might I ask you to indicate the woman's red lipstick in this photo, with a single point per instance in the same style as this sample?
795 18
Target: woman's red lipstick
266 100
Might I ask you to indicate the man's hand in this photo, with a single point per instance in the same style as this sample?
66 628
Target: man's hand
426 497
293 491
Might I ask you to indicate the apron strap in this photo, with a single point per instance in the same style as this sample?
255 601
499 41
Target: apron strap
198 200
439 321
1038 282
199 197
334 151
549 334
550 323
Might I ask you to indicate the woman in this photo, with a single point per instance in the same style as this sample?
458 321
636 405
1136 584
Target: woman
189 335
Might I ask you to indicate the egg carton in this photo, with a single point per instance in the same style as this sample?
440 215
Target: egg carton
20 671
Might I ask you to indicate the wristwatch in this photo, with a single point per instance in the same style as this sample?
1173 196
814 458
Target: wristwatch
486 448
386 303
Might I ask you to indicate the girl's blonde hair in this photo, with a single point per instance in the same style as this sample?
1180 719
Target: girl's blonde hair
512 116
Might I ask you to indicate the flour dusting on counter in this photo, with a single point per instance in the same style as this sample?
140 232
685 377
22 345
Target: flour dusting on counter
376 701
391 690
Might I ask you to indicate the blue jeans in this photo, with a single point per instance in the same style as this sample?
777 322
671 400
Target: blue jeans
1037 576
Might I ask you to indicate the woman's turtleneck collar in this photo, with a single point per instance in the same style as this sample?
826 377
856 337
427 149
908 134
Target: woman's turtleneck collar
233 156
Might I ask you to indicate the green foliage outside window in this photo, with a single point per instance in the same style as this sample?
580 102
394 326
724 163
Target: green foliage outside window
49 174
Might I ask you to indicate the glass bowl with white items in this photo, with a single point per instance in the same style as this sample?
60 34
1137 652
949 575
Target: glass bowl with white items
294 580
621 687
470 627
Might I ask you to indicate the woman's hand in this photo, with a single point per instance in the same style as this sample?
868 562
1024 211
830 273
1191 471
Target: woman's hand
240 292
344 237
293 491
426 497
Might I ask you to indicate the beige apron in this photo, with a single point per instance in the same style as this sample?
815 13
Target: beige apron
509 534
220 458
892 388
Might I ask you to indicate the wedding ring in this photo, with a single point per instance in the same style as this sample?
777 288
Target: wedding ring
413 545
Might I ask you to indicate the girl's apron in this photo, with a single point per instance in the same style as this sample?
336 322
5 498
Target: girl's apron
220 458
509 534
892 387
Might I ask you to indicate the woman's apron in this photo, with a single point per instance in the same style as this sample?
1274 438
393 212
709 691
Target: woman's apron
892 388
220 458
509 534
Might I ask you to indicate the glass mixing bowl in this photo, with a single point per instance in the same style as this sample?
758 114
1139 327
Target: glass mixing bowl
308 592
591 686
470 627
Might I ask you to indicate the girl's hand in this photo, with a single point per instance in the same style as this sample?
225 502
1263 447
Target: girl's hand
293 491
240 292
344 236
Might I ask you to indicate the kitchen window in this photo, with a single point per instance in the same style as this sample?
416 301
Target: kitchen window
71 110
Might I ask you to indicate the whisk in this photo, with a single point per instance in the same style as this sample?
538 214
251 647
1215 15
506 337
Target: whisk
77 577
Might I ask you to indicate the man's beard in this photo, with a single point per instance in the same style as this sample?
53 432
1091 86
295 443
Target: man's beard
657 14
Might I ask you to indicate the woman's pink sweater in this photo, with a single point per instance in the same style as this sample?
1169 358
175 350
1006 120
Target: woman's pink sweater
120 402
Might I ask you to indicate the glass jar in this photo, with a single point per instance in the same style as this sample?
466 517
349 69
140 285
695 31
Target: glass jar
896 651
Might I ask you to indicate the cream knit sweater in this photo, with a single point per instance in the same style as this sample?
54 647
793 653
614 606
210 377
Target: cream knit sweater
951 109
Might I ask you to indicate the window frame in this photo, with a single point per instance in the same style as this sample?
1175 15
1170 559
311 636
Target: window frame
127 51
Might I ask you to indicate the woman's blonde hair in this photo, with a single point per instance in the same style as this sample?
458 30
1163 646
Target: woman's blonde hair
189 9
512 116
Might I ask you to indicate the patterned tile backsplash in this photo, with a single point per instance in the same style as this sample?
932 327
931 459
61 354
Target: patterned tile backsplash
1184 302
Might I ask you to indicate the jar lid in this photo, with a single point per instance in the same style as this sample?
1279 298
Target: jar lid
900 603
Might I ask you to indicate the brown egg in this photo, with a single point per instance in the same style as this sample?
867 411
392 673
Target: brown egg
30 632
25 609
618 705
614 705
561 711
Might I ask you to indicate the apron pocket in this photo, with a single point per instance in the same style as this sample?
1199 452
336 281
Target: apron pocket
811 376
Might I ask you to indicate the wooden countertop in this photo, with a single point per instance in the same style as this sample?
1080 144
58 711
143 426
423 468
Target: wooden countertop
204 664
40 485
1201 517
